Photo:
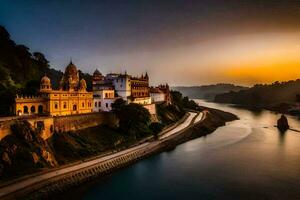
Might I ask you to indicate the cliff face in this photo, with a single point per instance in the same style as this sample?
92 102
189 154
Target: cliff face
24 151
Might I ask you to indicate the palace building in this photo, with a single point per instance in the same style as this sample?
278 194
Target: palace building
104 93
140 91
72 97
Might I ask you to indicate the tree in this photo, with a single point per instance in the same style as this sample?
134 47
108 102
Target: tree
156 128
118 105
134 120
4 35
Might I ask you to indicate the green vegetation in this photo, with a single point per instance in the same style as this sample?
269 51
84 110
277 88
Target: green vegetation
81 144
277 96
134 119
20 71
169 114
156 128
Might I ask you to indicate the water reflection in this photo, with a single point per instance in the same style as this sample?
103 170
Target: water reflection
281 137
246 159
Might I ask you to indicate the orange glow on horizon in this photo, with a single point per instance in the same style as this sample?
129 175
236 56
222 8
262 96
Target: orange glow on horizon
264 73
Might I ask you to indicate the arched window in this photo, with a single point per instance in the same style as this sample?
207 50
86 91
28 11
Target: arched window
25 110
82 104
32 109
99 104
40 109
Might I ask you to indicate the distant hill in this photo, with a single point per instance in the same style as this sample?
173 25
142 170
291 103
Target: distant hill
208 92
279 96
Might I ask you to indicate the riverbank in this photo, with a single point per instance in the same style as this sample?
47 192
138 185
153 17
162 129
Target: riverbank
61 180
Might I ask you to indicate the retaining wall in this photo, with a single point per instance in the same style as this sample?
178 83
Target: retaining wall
77 122
62 123
63 183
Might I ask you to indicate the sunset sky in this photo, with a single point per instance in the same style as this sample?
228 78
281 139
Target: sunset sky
181 42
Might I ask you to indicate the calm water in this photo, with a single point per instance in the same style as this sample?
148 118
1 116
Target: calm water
246 159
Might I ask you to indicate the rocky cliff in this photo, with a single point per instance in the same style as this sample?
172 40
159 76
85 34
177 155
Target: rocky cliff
24 151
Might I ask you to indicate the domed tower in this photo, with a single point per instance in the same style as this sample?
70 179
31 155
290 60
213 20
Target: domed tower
45 85
70 79
98 78
82 84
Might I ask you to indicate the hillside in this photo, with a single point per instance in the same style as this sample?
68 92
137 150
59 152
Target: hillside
207 92
279 96
21 71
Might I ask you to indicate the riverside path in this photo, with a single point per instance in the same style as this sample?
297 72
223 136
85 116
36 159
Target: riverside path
22 183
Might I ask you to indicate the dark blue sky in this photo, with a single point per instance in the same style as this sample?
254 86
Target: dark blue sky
139 35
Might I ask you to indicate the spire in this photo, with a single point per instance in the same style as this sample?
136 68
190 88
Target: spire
146 75
71 60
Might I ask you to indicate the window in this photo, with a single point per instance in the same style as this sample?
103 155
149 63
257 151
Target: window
106 105
56 105
99 104
32 109
106 95
65 105
82 104
25 110
40 109
95 104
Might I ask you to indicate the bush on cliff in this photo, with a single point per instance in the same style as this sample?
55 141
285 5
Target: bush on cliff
134 119
156 128
183 102
84 143
168 114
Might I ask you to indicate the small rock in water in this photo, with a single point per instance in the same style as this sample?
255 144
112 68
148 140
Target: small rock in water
282 123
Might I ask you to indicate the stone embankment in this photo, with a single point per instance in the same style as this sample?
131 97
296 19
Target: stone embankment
51 124
44 185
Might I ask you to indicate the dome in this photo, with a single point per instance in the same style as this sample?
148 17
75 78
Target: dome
45 81
71 69
70 79
97 73
45 84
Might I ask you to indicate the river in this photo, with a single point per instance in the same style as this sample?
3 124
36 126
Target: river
246 159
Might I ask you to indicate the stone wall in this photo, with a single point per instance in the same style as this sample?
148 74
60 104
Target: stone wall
48 125
151 108
77 122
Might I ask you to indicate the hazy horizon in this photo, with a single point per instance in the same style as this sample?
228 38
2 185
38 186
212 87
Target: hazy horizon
183 43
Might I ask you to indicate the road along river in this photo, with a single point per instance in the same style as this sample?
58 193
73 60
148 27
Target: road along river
9 189
246 159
